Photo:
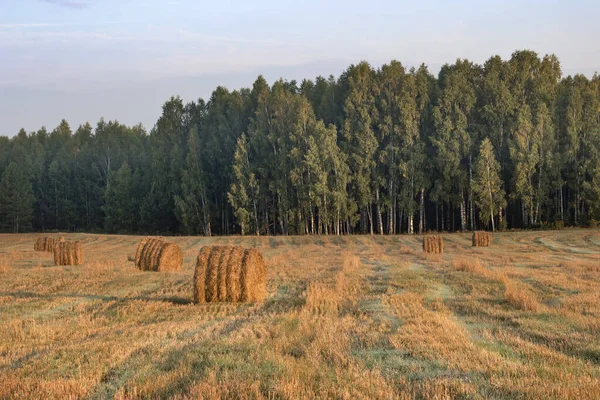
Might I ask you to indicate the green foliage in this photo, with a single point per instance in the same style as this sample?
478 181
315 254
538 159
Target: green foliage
120 205
487 184
193 208
244 191
16 199
385 150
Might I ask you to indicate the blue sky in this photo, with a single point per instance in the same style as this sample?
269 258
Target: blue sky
122 59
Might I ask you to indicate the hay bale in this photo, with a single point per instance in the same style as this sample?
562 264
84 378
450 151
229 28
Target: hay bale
155 254
46 243
78 252
433 244
57 252
482 239
138 253
68 253
234 269
170 258
222 273
150 248
210 282
204 259
253 277
229 273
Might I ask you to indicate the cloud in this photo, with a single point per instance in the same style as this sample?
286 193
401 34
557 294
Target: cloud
76 4
27 25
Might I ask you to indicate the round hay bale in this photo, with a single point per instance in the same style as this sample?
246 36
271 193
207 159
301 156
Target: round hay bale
155 254
233 271
68 253
78 253
138 253
170 258
433 244
210 284
200 274
482 239
57 251
229 273
222 273
144 253
253 277
149 249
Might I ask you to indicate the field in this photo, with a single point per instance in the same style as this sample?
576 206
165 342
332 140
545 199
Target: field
345 317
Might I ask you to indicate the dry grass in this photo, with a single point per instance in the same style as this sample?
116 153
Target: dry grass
351 317
519 296
404 249
472 265
6 261
581 265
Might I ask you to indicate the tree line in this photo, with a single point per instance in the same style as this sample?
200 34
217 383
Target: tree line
507 144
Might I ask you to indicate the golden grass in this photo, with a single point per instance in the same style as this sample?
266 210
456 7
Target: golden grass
352 317
519 296
5 262
468 264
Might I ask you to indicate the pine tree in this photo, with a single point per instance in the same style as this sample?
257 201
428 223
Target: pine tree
16 199
120 206
243 194
193 208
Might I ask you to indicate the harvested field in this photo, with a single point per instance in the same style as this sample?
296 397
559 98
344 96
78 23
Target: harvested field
343 317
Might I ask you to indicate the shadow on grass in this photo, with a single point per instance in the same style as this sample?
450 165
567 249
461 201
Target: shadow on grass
30 295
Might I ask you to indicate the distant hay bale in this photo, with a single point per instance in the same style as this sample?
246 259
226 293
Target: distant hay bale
433 244
68 253
156 254
229 273
138 253
482 239
47 243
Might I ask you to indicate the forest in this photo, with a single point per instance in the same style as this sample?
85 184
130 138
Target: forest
510 144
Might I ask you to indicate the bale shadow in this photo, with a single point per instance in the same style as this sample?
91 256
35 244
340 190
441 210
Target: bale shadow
176 300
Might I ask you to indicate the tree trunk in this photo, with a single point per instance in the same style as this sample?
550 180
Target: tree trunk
422 212
463 214
492 209
378 208
256 223
562 202
370 215
471 213
500 219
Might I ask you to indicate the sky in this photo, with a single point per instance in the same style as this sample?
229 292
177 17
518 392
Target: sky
122 59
